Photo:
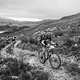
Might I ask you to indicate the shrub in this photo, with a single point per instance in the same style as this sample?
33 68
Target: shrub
13 67
59 33
73 68
69 43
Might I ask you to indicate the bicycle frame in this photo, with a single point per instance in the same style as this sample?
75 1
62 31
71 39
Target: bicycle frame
49 52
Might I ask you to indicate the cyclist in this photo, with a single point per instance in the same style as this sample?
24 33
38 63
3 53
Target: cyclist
14 38
46 41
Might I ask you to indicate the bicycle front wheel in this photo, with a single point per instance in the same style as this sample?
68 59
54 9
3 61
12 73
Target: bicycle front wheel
55 61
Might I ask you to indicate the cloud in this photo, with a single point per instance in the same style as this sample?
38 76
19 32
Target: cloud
41 9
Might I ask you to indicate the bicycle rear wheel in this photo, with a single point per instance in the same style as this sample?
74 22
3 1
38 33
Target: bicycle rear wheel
55 61
42 57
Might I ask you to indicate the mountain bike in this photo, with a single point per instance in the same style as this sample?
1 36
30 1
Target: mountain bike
49 54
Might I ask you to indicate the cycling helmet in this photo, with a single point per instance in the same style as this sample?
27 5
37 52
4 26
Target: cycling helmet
48 36
45 37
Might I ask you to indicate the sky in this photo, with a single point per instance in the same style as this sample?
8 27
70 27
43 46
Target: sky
38 9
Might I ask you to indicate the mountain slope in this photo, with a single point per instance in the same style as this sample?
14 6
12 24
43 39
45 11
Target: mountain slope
74 16
6 21
65 24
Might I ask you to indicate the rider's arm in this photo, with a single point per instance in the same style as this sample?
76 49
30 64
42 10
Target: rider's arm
43 42
52 47
53 42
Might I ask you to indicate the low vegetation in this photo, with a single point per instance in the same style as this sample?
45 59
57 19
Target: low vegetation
12 69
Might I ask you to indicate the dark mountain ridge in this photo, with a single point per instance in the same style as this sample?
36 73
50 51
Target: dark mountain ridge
71 16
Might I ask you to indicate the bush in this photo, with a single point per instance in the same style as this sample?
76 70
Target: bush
59 33
73 68
33 41
13 67
69 43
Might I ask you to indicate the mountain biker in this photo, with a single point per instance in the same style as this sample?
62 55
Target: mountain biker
13 40
48 49
46 41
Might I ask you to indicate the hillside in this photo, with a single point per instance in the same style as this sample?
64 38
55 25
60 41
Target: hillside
64 25
6 21
74 16
10 26
25 50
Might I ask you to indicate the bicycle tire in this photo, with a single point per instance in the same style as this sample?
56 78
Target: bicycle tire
42 57
51 62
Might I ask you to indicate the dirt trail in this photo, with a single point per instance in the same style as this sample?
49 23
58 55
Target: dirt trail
21 53
3 51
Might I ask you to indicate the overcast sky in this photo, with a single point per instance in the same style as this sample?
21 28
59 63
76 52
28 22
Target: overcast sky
38 9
